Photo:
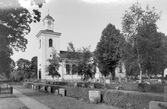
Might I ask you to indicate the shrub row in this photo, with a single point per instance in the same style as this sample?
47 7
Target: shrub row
155 88
130 100
116 98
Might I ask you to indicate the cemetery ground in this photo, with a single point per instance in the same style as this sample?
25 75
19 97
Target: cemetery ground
9 101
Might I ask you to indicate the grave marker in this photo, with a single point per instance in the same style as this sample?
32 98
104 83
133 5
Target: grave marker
62 92
94 96
157 105
120 79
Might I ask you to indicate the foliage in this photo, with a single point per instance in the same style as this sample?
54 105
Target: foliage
140 30
73 57
109 50
129 100
25 69
86 64
53 67
81 60
33 67
15 23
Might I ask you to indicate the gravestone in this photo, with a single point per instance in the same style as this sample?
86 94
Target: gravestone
94 96
56 92
75 84
126 80
119 79
32 86
42 88
108 81
62 92
157 105
35 87
165 93
49 89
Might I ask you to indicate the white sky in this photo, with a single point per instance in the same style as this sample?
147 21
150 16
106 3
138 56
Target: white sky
82 21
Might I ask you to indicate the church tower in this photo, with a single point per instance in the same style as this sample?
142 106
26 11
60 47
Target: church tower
47 40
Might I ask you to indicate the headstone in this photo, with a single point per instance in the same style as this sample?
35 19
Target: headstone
108 81
42 88
94 96
120 79
62 92
49 89
165 93
157 105
56 92
126 80
75 84
35 87
32 86
159 80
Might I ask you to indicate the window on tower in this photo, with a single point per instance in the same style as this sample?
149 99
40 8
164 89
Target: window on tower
39 43
50 43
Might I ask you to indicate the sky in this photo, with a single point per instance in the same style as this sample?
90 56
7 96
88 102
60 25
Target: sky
82 21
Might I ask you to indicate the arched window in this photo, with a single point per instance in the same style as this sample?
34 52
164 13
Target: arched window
74 69
67 69
50 43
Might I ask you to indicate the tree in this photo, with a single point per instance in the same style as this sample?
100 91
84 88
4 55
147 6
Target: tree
108 51
133 21
53 67
23 68
72 59
33 67
81 61
15 23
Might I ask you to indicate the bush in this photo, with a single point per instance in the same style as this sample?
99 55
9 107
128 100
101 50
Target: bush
133 100
78 92
98 85
156 88
63 83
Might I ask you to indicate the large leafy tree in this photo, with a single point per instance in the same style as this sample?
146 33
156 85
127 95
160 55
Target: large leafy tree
23 68
135 20
53 67
33 67
86 63
81 61
108 51
15 23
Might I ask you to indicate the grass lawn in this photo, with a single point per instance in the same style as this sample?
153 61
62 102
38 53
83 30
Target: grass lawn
57 102
8 101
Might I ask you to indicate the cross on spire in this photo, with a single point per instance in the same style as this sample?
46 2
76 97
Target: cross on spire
48 11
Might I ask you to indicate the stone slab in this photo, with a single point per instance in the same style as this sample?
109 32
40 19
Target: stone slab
94 96
56 92
49 89
165 89
62 92
154 105
108 81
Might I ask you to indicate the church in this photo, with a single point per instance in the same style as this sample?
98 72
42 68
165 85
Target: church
49 40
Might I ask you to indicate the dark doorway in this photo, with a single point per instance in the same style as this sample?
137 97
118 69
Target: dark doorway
39 74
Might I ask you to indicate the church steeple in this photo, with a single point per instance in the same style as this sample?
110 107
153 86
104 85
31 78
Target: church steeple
48 23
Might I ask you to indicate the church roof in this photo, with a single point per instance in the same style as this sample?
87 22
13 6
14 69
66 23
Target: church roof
48 32
48 17
63 54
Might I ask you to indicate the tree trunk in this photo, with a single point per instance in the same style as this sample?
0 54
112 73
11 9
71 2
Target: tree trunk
162 75
139 64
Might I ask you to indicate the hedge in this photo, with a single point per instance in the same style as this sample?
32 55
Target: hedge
135 101
115 97
155 88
